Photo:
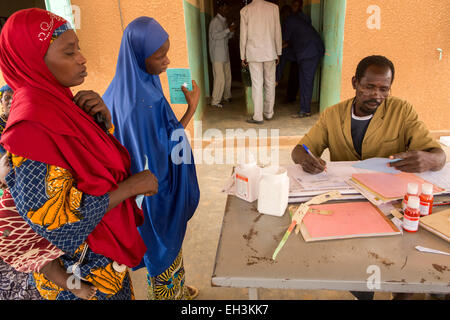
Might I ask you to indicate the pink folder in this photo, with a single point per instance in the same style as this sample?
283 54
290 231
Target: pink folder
348 220
389 185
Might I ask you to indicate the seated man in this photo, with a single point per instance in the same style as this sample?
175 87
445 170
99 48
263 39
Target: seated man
372 124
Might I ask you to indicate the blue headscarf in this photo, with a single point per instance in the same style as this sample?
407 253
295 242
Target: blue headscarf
144 123
2 120
5 88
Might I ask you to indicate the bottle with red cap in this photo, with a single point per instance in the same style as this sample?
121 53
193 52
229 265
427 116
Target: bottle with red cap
412 214
412 190
426 199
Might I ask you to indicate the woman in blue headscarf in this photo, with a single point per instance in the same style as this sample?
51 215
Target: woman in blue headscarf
146 125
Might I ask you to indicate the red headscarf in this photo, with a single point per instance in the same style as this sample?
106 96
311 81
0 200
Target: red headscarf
46 126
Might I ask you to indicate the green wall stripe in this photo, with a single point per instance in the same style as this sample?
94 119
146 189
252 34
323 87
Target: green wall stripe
195 44
333 35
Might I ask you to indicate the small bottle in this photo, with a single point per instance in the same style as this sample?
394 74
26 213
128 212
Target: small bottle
247 176
412 215
412 190
426 199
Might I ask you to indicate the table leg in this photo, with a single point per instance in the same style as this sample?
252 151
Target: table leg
252 293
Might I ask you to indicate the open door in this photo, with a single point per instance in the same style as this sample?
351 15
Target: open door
64 8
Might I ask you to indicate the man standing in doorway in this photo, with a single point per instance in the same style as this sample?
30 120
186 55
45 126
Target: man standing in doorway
260 45
219 34
307 48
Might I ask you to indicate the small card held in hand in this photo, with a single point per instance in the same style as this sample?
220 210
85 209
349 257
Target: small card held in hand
177 78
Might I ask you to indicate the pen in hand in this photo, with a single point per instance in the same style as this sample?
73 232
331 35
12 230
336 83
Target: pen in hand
310 153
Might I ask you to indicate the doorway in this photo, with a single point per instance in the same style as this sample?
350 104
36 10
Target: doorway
327 18
7 8
234 115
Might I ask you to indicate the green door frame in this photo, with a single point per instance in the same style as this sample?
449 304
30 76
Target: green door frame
62 8
333 36
196 23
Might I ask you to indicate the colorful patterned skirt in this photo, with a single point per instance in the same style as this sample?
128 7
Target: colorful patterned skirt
169 285
16 285
20 246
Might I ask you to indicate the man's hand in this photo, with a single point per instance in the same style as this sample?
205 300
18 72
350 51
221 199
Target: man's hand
277 61
309 163
419 161
244 63
92 103
232 27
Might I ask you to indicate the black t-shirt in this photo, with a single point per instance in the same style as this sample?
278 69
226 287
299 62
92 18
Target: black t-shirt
359 128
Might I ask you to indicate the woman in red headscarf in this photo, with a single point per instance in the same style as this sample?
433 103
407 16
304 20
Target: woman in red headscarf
70 177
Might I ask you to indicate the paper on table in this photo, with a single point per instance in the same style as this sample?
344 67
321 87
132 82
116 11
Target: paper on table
423 249
335 177
398 223
388 185
439 178
377 164
349 219
177 78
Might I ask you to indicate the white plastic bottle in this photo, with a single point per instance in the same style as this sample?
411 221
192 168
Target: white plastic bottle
273 191
426 199
412 215
247 176
412 190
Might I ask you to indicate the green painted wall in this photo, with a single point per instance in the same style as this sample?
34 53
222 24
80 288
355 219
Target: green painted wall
197 51
205 19
314 11
333 36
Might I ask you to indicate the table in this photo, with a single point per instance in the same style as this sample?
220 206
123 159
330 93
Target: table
248 240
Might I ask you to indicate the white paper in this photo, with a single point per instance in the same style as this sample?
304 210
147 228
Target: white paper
386 208
305 184
445 140
398 223
423 249
377 164
439 178
140 197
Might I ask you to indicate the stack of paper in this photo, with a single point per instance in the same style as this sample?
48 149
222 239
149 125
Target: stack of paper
348 220
303 186
438 223
387 187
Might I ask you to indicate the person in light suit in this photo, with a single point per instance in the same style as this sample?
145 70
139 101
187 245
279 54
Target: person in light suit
219 34
260 46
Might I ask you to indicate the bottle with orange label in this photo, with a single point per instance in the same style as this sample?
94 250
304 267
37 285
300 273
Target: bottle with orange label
411 215
247 176
412 190
426 199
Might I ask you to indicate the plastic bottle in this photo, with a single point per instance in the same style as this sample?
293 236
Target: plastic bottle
412 215
426 199
412 190
247 176
273 191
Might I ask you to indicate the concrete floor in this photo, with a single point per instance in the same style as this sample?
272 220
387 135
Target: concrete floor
200 244
234 114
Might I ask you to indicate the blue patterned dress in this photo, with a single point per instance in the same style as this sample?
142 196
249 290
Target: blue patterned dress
47 199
